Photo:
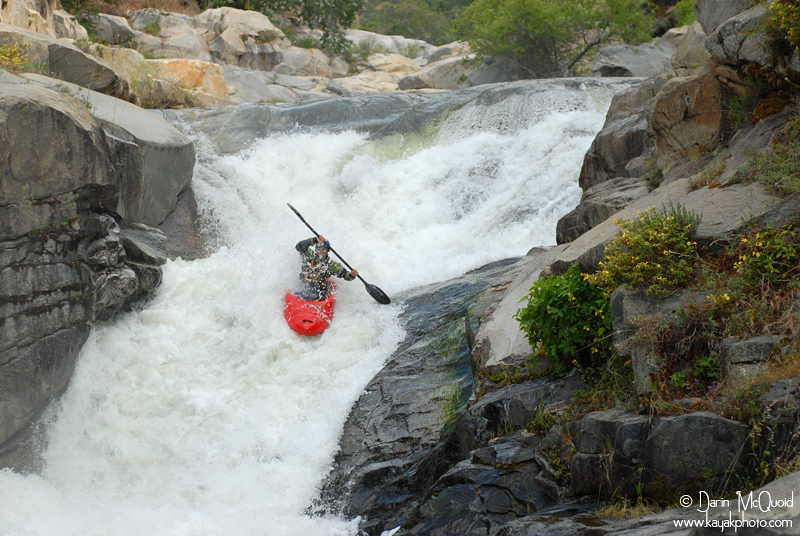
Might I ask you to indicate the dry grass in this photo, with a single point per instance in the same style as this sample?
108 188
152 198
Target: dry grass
120 8
625 508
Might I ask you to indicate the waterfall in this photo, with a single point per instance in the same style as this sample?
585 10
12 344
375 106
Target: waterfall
202 413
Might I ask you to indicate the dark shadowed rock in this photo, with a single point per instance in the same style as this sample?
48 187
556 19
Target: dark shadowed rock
599 203
392 447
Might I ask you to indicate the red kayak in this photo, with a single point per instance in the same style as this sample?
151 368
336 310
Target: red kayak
309 317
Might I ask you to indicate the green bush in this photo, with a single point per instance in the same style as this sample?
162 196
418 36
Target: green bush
654 250
684 12
549 37
785 17
779 167
768 259
567 318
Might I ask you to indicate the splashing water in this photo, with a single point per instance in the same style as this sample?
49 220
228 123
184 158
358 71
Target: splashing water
203 413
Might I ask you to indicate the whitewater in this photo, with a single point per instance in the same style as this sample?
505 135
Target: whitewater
201 413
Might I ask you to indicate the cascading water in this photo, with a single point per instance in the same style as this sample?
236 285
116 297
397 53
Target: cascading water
202 413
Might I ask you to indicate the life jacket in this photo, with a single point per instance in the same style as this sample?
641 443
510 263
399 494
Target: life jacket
316 270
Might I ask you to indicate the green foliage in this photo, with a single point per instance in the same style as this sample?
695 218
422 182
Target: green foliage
768 259
307 42
652 173
741 108
416 19
83 11
363 50
654 250
684 12
785 18
154 28
548 37
779 167
566 317
14 56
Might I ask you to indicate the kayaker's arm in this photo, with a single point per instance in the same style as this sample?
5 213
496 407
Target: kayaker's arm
341 272
305 244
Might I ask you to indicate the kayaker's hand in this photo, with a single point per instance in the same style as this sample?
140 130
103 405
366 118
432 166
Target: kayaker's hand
354 273
320 239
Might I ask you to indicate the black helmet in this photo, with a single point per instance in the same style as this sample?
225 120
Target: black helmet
326 244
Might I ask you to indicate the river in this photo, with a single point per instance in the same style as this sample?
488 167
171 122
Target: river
202 413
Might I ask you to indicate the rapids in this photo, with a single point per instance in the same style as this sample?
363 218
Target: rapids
202 413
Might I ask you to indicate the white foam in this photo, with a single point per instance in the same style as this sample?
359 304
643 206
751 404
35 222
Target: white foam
203 413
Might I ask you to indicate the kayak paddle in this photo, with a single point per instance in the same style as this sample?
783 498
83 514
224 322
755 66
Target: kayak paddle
374 291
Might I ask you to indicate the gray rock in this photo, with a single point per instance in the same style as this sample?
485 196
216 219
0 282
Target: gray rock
67 62
628 309
623 137
112 288
296 82
741 39
724 212
114 30
301 62
245 85
143 243
748 358
185 236
512 408
67 26
499 341
689 116
252 24
589 249
144 18
57 133
756 137
753 350
339 67
711 13
451 73
650 59
496 70
691 53
599 203
155 160
389 44
184 46
697 448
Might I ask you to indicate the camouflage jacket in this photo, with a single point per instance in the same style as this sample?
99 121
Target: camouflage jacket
316 270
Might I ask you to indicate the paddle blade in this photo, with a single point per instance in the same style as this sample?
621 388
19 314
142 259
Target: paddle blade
377 294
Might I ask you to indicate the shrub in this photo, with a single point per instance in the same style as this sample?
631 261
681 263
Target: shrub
684 12
14 57
566 317
768 259
549 37
779 167
654 250
785 18
307 42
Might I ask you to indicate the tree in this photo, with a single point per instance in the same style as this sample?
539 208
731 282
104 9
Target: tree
417 19
548 37
328 15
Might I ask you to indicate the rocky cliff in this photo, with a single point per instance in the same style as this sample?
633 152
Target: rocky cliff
80 192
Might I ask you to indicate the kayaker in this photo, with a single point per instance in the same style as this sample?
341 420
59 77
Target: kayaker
318 268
